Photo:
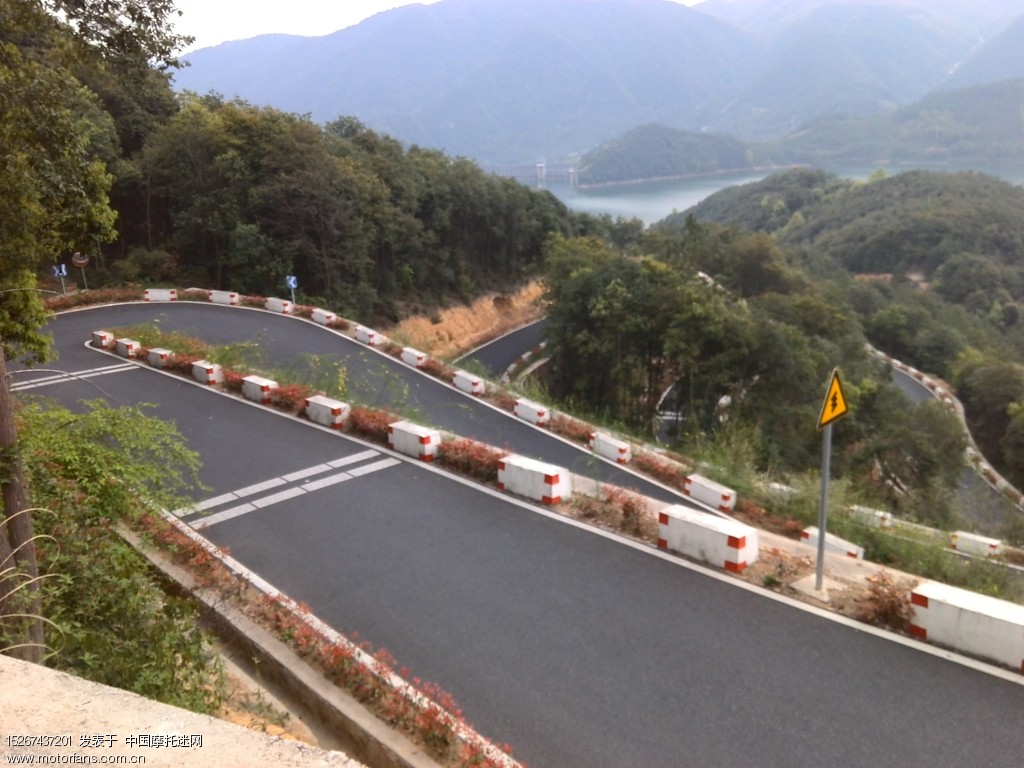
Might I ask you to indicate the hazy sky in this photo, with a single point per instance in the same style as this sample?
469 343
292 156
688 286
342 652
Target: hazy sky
215 21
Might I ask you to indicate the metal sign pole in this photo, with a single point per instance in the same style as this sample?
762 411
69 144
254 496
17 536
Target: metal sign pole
826 460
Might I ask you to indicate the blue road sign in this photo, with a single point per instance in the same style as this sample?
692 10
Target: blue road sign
292 282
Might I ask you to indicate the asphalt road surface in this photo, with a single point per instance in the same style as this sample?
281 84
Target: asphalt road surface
575 647
498 354
374 379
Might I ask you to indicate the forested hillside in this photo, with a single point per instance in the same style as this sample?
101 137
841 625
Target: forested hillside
655 151
740 340
228 195
981 125
938 265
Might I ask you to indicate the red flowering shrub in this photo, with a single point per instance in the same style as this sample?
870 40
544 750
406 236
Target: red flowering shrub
232 381
437 369
631 506
291 397
252 301
194 294
370 424
503 400
569 428
180 364
473 459
660 470
99 296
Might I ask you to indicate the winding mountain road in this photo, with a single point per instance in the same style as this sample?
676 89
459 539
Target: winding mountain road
576 647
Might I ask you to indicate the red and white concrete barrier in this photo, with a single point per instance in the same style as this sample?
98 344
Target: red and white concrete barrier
159 357
160 294
832 543
535 413
103 340
258 389
128 347
727 544
206 372
369 336
323 317
467 382
966 621
229 298
534 479
327 411
283 306
610 447
414 440
413 357
973 544
709 492
873 518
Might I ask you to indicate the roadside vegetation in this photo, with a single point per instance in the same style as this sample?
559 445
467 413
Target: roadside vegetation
738 314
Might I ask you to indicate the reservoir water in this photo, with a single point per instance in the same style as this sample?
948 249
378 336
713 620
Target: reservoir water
653 201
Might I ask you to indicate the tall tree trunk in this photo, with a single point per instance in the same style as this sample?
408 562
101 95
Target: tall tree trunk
18 567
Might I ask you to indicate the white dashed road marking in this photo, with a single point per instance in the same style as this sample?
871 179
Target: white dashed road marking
200 523
61 378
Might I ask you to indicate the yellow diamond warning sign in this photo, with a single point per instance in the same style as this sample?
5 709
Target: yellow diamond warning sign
835 406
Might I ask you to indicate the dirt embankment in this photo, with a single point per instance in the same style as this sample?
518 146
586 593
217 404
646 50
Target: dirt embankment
456 330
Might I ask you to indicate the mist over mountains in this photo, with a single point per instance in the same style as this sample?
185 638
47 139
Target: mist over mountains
508 81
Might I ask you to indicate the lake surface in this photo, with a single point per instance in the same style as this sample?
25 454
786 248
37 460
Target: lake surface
654 201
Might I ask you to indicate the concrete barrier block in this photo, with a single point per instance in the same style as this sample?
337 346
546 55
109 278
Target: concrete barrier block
973 544
727 544
128 347
534 479
612 448
413 357
873 518
283 306
258 389
327 411
160 357
414 440
323 317
103 340
832 543
535 413
709 492
369 336
224 297
206 372
467 382
160 294
965 621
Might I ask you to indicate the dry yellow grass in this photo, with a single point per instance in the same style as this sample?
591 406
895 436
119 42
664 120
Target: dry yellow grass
464 327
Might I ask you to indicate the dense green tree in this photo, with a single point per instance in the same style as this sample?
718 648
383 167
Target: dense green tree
94 471
988 389
53 200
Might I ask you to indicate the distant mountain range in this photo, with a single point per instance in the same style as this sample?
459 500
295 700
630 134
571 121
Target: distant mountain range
981 126
510 81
